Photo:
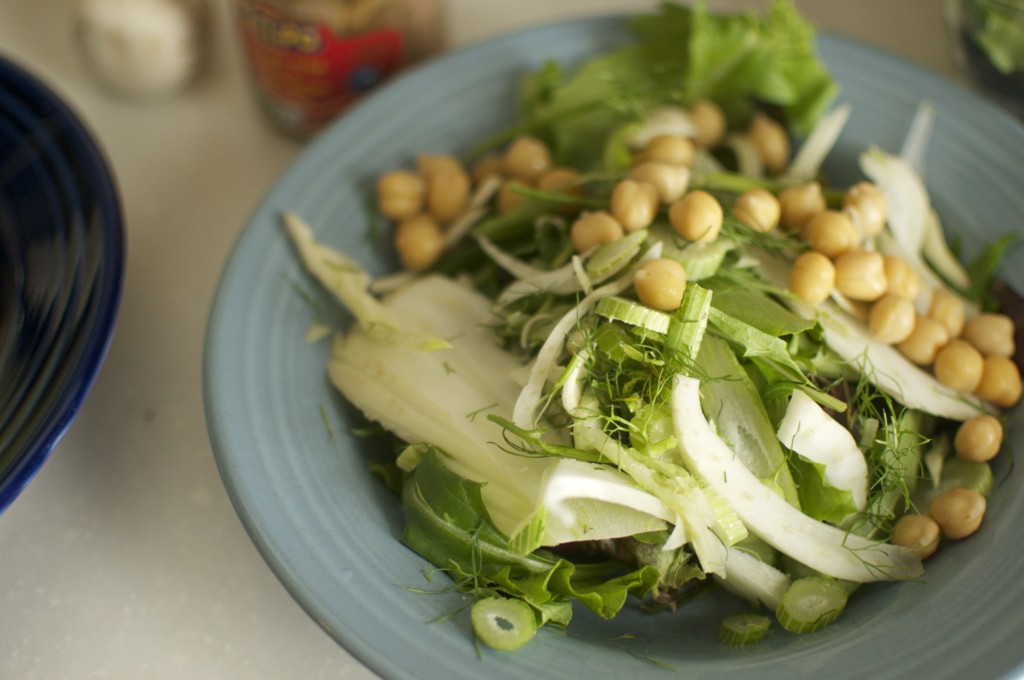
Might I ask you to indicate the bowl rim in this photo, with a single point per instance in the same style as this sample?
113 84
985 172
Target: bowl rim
89 161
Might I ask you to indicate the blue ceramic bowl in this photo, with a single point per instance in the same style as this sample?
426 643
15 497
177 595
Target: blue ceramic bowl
61 271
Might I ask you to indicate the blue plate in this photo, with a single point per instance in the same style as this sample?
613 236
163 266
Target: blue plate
329 530
61 271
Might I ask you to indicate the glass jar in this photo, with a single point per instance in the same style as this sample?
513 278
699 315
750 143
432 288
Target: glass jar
309 60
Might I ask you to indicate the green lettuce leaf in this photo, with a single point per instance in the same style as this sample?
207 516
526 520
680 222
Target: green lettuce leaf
985 267
447 524
733 59
681 55
760 311
1000 33
818 498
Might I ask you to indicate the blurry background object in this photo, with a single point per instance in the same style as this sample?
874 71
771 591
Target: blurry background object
989 43
310 59
144 48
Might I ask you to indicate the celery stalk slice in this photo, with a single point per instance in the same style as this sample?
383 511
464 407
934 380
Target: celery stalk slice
503 623
617 308
810 604
744 629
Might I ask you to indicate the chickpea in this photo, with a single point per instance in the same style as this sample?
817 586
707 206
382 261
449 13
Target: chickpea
592 229
670 180
925 341
565 180
860 275
526 158
992 334
419 242
947 309
831 233
671 149
634 204
697 216
959 365
709 123
1000 382
400 194
660 284
488 166
902 278
867 206
771 140
508 198
891 319
447 194
562 181
958 512
429 164
812 277
758 209
918 533
978 439
799 203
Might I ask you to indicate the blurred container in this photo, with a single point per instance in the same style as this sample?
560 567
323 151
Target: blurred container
309 60
143 49
989 37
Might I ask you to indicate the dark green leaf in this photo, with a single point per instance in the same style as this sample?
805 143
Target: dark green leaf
447 523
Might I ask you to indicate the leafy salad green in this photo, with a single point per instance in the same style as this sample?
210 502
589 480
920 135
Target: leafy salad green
564 441
997 28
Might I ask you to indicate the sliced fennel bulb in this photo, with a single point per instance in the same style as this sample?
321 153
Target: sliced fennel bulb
439 393
806 164
400 387
349 283
594 502
914 226
820 546
442 398
747 576
891 372
604 262
809 431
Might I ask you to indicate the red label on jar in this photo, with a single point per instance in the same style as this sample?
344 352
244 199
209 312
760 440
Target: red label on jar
305 73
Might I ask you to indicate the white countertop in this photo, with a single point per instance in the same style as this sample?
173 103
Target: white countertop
124 557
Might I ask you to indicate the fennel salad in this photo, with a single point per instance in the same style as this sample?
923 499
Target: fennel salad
639 346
